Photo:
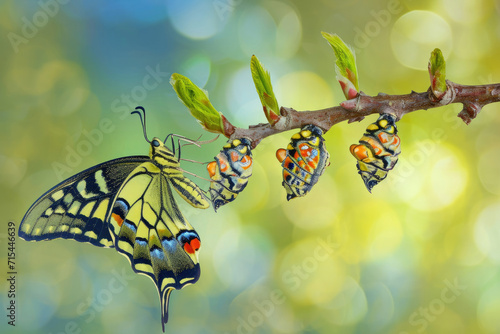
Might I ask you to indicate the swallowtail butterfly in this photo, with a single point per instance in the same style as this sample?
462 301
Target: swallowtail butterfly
127 203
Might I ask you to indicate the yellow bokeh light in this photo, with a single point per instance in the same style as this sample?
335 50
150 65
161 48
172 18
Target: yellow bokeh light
416 34
437 179
304 91
322 203
488 309
288 34
375 231
310 272
467 11
349 306
487 232
256 194
488 166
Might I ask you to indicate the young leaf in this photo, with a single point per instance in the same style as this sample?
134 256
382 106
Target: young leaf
198 103
345 66
437 73
262 81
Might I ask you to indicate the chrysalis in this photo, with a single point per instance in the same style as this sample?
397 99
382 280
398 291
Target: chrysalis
378 150
304 161
230 171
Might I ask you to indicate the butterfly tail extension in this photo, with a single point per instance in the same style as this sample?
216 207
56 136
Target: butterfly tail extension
165 297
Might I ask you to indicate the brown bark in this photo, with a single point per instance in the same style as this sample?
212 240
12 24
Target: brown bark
473 98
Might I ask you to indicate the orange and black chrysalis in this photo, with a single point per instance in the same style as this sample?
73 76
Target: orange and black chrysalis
303 161
378 150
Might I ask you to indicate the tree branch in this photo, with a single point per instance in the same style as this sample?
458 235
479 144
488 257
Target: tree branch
473 98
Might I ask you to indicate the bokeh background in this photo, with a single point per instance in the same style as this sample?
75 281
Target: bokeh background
419 255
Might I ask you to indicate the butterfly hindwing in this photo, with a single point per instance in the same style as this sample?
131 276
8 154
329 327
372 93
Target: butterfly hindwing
148 228
77 207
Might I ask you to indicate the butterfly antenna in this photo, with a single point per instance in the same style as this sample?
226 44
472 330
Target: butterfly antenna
179 146
143 120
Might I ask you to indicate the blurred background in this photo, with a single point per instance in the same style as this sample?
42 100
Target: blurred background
419 254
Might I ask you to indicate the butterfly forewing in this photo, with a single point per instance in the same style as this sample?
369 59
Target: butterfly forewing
148 228
77 207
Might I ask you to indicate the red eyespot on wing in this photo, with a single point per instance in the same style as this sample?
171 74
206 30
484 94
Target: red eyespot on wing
188 249
195 244
192 246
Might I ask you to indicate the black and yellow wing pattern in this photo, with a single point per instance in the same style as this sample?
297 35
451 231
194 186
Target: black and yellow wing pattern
127 204
77 207
149 229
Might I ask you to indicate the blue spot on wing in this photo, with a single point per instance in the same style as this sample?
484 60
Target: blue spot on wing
158 253
141 242
170 245
130 226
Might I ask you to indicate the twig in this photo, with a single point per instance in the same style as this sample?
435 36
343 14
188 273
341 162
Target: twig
473 98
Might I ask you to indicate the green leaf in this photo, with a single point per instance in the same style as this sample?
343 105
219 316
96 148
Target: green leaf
437 73
262 81
345 66
198 103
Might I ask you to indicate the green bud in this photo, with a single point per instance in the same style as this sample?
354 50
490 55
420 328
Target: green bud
345 66
437 73
262 81
198 103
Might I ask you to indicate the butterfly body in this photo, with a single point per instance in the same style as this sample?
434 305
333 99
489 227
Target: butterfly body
127 203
